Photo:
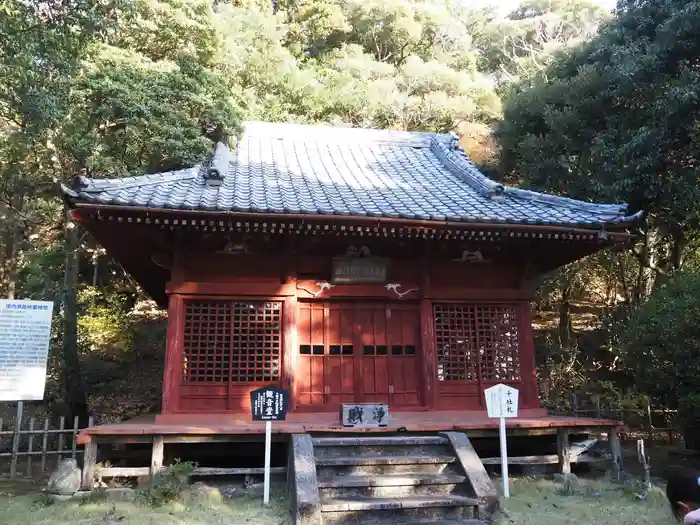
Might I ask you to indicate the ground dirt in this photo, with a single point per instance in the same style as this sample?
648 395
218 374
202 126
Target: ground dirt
532 502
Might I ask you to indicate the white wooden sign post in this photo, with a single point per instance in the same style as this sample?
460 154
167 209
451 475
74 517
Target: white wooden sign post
502 402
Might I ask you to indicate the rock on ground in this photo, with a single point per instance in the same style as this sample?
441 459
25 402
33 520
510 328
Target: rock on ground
120 494
201 493
65 480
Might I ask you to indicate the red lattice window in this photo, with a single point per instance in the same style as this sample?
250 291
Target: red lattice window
227 341
477 342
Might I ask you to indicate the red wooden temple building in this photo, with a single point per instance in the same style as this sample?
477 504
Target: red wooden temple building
346 265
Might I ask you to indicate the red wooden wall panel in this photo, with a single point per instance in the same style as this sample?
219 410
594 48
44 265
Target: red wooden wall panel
343 347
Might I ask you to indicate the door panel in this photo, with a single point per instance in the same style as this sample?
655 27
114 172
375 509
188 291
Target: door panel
311 360
390 354
326 373
375 353
357 352
403 356
340 358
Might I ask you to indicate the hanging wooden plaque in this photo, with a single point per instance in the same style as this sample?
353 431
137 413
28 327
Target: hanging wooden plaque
359 270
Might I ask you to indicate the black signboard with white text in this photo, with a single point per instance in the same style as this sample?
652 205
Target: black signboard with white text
269 404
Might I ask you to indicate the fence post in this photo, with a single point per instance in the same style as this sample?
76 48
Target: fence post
29 447
644 462
574 405
61 428
597 407
74 444
45 444
15 439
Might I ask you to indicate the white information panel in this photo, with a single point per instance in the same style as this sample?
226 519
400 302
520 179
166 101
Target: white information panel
501 401
25 331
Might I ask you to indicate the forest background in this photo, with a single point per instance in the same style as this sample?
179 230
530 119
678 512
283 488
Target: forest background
558 95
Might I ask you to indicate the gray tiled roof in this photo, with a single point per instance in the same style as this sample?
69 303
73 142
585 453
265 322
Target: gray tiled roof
297 169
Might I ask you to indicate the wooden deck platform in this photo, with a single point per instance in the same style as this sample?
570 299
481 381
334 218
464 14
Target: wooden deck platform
199 427
158 430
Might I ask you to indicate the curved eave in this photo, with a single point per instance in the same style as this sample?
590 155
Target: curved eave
610 226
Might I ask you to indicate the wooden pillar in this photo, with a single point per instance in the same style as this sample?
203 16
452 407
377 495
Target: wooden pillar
290 348
615 451
564 450
429 355
172 373
89 461
528 369
156 456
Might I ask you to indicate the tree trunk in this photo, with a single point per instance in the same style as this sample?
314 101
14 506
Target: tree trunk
11 262
10 250
565 327
72 377
676 248
652 255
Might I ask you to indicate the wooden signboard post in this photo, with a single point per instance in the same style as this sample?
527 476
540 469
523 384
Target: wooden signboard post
268 404
502 402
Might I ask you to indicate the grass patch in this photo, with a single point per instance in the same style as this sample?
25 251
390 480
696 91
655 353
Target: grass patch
31 510
532 502
541 502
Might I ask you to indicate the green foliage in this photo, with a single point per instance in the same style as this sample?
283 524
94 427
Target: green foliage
617 118
105 327
661 343
131 115
168 484
689 409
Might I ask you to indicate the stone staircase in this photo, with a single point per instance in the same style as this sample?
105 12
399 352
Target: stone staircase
402 480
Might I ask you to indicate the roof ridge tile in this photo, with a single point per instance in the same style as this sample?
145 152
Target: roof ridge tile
457 161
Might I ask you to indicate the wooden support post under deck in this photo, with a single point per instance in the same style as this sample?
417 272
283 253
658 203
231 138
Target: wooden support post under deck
156 456
89 461
564 450
615 451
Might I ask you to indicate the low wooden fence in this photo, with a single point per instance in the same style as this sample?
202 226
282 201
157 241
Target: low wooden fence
35 447
648 422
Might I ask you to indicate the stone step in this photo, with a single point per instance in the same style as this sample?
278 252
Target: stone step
444 522
378 441
391 486
361 510
391 480
377 465
381 446
361 503
333 461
